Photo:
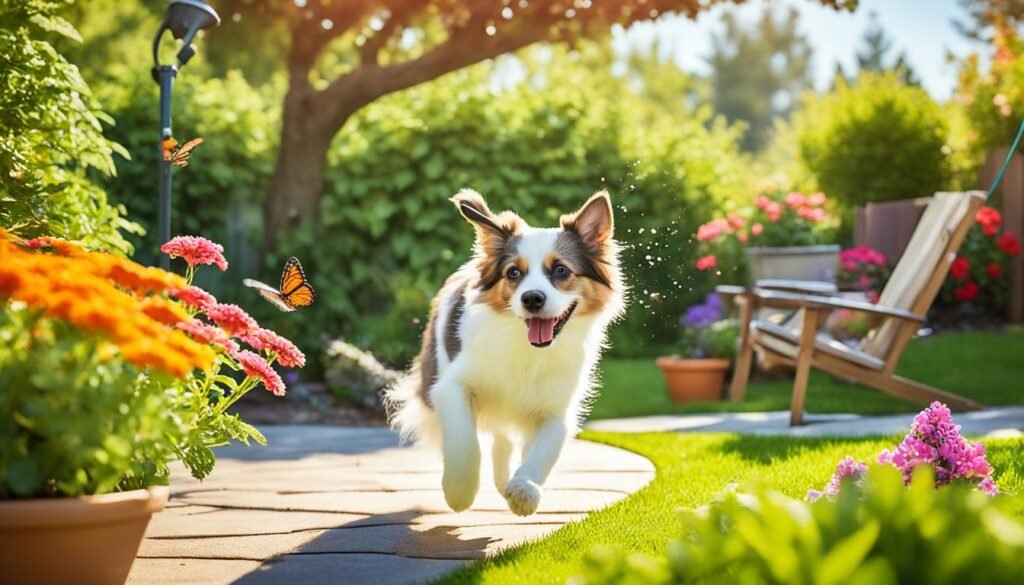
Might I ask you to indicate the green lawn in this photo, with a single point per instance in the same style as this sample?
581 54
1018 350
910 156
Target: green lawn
988 367
691 468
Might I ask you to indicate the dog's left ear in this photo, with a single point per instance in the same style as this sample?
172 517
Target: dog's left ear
593 222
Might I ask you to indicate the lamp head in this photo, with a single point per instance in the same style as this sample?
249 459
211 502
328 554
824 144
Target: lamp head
184 19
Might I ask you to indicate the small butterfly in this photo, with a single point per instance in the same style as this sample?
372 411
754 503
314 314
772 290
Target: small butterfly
296 292
177 154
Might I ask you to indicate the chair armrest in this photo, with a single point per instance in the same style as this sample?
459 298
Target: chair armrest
798 286
784 300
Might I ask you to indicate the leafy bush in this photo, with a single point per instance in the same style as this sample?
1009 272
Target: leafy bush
355 375
979 274
51 135
989 99
886 534
877 140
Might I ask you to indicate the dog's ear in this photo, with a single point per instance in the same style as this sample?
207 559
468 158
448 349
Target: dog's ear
593 222
473 207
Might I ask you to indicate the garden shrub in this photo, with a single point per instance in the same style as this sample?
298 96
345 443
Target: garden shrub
876 140
51 135
979 276
885 534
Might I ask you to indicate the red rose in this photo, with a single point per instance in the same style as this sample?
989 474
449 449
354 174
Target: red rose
967 292
960 269
994 270
989 220
1009 243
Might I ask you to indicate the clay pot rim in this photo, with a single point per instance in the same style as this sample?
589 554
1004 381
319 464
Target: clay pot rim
674 363
79 510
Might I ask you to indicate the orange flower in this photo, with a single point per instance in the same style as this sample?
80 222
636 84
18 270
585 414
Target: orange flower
164 311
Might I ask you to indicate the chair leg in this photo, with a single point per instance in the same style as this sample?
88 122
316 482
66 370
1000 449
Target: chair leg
805 356
745 355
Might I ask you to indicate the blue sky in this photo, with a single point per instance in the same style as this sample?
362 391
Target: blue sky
922 29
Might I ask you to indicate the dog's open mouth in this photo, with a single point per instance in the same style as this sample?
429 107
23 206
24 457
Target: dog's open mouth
542 332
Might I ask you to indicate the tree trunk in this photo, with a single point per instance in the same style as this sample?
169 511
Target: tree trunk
297 183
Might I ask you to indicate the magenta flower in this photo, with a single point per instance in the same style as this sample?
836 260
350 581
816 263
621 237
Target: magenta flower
849 469
195 250
255 366
265 340
194 297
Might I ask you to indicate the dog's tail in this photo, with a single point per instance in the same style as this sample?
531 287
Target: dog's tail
408 411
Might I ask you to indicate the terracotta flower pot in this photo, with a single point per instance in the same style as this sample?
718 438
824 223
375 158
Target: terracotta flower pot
84 540
693 380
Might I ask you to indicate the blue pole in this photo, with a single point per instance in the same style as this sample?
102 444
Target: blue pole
165 74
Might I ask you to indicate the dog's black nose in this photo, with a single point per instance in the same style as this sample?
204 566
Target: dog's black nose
533 300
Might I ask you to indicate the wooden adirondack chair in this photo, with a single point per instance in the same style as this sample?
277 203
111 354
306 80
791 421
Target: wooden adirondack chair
900 310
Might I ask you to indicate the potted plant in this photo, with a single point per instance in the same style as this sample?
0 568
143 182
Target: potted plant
697 374
108 371
785 236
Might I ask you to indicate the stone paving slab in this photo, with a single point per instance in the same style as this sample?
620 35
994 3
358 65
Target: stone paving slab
992 422
347 505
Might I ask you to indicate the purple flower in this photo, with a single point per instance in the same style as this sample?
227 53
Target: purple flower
702 315
849 469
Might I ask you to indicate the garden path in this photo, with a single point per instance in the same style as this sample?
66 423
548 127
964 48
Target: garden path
1003 421
349 505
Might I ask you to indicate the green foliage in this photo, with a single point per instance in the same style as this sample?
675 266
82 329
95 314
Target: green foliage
717 340
387 235
758 73
51 134
991 100
876 140
73 419
217 195
888 534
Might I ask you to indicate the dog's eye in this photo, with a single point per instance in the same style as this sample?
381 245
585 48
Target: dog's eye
561 271
514 273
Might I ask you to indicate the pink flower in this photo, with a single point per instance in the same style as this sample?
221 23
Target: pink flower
209 334
736 221
849 469
811 213
231 318
195 250
265 340
756 229
255 366
707 262
762 202
794 200
712 229
774 211
817 199
194 297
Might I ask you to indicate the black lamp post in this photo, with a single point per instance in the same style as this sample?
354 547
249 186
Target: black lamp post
184 19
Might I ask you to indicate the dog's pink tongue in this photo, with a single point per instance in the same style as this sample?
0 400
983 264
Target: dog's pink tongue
541 331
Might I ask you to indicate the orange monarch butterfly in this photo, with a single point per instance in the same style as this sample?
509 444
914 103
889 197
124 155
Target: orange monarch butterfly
296 292
177 154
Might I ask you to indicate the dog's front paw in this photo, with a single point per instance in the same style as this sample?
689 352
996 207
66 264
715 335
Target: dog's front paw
522 496
460 490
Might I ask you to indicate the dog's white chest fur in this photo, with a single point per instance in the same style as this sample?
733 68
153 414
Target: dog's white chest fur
513 382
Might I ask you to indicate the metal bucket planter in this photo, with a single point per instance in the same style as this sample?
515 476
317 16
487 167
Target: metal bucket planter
794 262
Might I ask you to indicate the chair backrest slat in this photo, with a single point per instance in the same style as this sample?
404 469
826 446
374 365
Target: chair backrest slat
918 276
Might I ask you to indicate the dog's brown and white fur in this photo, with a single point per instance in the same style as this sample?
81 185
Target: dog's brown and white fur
510 348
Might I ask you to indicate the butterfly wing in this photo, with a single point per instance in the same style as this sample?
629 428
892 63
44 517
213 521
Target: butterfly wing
180 156
270 293
295 289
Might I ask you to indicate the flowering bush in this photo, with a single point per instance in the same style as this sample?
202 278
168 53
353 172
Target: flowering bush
111 369
879 532
934 442
779 219
864 269
706 333
978 274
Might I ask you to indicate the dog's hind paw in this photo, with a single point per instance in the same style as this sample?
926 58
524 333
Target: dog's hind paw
460 493
522 496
